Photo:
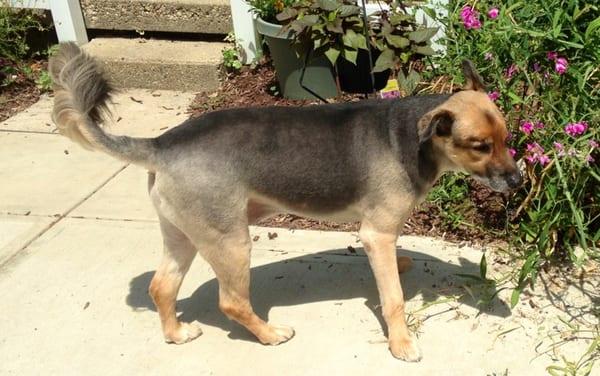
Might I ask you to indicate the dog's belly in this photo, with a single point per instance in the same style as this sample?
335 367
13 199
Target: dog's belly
261 207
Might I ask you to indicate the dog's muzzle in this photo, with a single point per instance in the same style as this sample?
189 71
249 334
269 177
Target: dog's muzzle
513 180
502 182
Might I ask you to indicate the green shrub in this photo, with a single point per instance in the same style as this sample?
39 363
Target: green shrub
542 60
231 54
14 25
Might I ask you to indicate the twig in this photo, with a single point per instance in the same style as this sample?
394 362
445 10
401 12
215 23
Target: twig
534 190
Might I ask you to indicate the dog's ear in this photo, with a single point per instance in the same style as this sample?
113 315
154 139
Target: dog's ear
474 80
437 122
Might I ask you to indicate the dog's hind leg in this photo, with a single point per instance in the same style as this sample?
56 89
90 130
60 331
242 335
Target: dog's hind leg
230 260
177 258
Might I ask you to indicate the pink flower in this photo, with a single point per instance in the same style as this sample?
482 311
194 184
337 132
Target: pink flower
551 55
543 159
539 125
488 56
576 129
536 67
527 128
534 147
535 153
512 152
493 13
470 18
593 144
589 159
560 65
494 95
509 136
511 71
560 148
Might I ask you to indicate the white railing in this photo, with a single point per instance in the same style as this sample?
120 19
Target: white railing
66 14
70 26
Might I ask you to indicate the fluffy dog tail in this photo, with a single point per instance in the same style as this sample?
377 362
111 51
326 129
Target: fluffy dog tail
81 97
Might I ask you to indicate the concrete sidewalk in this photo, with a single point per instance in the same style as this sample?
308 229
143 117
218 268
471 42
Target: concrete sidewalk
79 243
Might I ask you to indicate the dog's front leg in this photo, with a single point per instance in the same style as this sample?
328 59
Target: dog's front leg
380 246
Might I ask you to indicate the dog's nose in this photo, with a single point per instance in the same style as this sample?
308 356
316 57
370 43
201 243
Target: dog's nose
514 179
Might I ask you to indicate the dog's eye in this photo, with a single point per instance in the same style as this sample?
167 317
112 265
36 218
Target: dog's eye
483 148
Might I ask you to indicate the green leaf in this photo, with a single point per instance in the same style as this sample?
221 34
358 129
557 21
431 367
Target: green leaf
556 26
592 26
349 38
483 267
351 55
336 26
287 14
348 10
328 5
430 12
515 98
397 18
298 26
386 28
385 61
423 35
514 298
408 83
332 54
424 50
361 41
397 41
570 44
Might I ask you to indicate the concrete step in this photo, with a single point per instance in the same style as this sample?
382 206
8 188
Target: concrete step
188 16
159 64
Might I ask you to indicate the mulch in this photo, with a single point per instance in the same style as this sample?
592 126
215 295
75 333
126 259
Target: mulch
252 86
21 93
257 86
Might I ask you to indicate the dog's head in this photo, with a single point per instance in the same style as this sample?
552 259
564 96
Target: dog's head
469 134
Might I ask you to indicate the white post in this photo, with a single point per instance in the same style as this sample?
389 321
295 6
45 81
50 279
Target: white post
68 21
245 31
67 16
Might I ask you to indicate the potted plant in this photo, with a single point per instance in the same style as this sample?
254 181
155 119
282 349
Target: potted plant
329 36
318 75
336 29
400 40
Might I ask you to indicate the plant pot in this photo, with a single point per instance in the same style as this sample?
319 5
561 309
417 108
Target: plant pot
318 76
357 78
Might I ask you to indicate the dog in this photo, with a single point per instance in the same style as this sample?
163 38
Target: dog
210 177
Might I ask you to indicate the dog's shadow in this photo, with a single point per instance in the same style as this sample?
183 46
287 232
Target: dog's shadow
334 275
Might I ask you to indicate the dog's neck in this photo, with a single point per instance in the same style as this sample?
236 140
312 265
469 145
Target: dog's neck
431 165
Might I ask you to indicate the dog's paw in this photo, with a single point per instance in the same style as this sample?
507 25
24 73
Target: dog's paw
406 349
404 263
276 334
185 332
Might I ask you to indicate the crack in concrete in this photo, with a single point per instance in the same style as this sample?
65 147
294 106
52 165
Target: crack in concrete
53 133
60 217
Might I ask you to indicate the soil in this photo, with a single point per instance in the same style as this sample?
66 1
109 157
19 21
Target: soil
484 219
22 92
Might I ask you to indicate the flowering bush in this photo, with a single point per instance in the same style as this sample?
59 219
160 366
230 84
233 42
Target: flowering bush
542 60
